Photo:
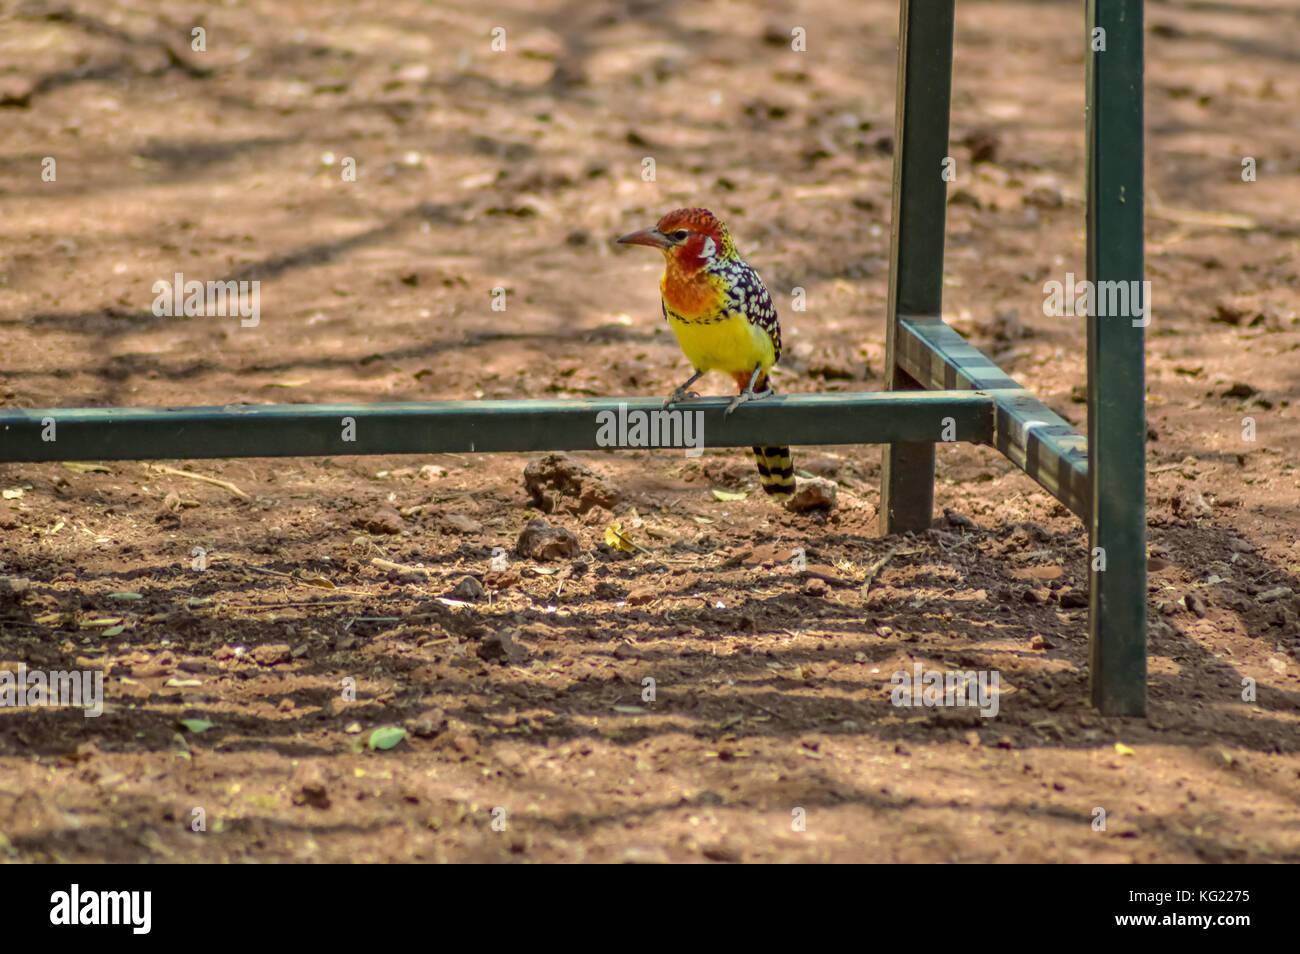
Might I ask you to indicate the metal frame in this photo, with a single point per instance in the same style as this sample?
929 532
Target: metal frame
1103 478
939 386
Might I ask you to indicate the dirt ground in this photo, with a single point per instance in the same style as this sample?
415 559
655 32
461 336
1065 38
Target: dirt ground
527 734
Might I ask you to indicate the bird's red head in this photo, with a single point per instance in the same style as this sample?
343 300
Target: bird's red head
687 237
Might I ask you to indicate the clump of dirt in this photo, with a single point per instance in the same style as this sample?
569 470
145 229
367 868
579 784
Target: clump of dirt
560 483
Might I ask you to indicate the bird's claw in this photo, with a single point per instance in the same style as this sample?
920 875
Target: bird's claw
678 396
744 397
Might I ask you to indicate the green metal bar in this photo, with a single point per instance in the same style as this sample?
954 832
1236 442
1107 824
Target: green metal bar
1116 389
925 37
318 430
1032 436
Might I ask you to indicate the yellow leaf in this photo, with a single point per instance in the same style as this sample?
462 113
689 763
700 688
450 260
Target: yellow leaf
1123 749
616 538
79 468
730 495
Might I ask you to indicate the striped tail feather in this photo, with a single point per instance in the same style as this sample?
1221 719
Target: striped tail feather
775 472
775 466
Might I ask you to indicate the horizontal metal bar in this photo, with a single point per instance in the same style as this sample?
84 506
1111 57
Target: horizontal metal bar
320 430
1033 436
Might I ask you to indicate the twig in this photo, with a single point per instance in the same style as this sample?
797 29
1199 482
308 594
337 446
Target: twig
833 580
262 569
370 619
401 567
216 482
259 606
628 540
876 568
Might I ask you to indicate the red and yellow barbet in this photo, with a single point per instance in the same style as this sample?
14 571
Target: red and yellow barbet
723 318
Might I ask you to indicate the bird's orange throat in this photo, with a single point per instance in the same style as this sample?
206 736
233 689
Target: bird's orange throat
688 289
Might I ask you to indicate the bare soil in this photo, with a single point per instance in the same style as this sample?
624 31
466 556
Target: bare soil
528 737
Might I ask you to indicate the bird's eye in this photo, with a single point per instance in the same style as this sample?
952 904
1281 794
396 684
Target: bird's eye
680 235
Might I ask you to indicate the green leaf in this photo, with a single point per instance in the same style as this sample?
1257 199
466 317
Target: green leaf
114 631
195 725
125 596
729 495
386 736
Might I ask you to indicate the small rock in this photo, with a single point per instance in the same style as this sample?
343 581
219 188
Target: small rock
468 589
459 523
1241 389
16 91
1037 573
1073 598
501 647
428 724
271 654
1038 642
286 705
816 587
723 852
642 595
501 579
540 541
383 520
309 787
958 520
626 651
1194 603
983 145
815 494
1237 545
1191 504
1276 593
13 589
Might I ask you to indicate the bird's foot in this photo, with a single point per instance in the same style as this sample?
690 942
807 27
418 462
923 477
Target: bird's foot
745 397
678 396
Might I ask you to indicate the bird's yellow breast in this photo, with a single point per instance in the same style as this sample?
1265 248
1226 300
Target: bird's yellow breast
729 344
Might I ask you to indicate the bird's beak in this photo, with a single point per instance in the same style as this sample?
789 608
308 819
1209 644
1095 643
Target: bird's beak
651 237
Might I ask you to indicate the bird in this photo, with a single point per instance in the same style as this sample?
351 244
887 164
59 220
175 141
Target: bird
723 318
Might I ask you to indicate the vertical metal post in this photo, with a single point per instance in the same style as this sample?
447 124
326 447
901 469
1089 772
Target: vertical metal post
1116 388
925 36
